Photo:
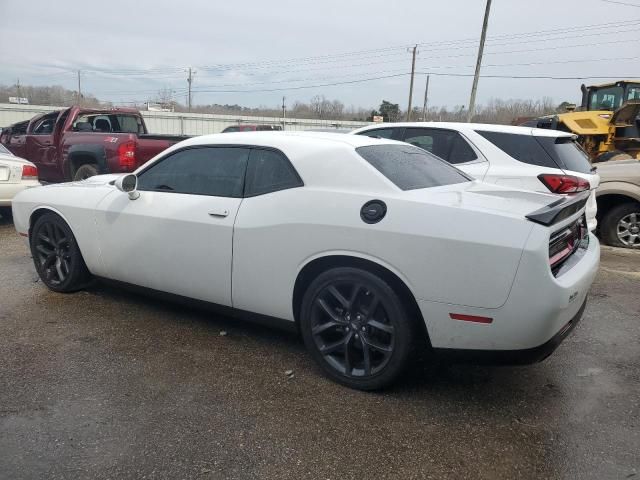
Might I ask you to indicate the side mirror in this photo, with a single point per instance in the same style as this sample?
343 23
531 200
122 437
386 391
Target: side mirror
128 184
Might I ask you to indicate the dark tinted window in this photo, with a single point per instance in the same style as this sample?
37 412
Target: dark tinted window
216 171
45 125
461 151
378 133
269 171
567 153
446 144
410 167
231 129
524 148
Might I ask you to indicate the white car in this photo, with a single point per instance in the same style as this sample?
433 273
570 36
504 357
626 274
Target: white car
367 246
16 174
519 157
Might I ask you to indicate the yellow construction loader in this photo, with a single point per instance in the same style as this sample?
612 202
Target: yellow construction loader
607 123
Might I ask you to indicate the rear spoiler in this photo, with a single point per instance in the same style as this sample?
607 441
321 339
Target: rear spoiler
559 210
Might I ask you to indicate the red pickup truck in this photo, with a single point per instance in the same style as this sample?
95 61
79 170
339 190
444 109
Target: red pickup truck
77 143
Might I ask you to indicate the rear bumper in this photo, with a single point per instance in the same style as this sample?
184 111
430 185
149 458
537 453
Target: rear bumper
10 190
513 357
535 315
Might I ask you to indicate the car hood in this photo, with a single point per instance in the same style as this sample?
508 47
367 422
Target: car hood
486 197
91 182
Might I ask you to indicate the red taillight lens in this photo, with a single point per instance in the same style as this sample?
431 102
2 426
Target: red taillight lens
564 183
127 156
29 172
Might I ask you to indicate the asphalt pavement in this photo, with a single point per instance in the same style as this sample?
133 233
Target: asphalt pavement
107 384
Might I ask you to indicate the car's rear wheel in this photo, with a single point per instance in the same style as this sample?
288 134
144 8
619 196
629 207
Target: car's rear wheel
84 172
56 255
5 213
621 226
356 328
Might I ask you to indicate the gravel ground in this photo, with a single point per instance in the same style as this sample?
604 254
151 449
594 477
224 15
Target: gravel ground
106 384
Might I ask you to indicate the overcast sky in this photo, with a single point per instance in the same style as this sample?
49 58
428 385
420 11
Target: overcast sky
127 50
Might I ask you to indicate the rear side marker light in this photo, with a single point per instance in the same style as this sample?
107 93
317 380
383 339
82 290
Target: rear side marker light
29 172
470 318
564 183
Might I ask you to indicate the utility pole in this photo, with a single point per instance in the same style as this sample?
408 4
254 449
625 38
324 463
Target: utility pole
79 90
476 76
18 88
190 81
413 71
424 106
284 113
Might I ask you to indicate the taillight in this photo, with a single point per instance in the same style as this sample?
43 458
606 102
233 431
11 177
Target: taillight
564 183
562 244
29 172
127 156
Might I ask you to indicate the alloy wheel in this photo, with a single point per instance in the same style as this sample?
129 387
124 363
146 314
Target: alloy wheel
628 230
351 329
53 252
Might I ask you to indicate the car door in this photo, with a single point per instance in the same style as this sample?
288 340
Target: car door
177 235
451 146
41 148
261 267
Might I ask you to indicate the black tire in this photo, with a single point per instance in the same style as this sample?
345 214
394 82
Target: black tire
612 155
6 213
85 171
371 353
56 255
619 227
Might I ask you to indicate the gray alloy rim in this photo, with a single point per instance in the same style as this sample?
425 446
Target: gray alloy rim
83 175
628 230
53 254
351 329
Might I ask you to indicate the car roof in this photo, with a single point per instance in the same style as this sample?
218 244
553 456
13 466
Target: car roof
485 127
284 139
317 156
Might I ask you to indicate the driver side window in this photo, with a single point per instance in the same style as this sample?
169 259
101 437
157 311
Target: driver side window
214 171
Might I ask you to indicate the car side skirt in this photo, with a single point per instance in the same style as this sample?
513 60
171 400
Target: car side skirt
222 310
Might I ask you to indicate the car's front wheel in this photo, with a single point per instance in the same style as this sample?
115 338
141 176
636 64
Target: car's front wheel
56 255
356 328
621 226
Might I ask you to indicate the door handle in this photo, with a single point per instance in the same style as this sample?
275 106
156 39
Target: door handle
221 213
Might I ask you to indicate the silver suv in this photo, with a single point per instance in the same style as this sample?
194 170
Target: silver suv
618 198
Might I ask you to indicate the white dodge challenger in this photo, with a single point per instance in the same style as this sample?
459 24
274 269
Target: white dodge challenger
368 247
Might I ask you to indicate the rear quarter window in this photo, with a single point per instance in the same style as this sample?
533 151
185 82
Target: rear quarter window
411 168
567 153
523 147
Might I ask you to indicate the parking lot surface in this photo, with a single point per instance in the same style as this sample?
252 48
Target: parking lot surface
108 384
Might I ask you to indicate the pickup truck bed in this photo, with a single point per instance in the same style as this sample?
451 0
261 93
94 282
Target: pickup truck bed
77 143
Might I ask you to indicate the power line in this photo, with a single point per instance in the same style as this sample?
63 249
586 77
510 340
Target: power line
622 3
390 51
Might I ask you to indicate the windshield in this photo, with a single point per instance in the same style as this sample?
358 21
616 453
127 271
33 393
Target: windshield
609 98
4 150
410 168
